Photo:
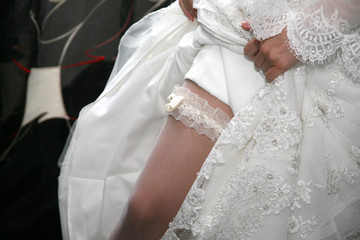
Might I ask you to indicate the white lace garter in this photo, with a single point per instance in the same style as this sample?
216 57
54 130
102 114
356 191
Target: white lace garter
195 112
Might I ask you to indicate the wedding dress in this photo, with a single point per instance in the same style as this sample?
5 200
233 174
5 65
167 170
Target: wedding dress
287 166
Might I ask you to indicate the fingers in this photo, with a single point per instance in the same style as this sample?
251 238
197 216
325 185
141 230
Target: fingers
258 53
272 55
252 48
189 11
278 65
185 11
266 66
259 59
273 73
246 26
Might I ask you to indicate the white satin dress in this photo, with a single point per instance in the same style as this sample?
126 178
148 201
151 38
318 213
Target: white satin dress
285 167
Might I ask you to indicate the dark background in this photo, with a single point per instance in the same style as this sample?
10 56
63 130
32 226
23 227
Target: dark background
29 154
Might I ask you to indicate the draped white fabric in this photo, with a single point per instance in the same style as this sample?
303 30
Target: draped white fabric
286 166
115 134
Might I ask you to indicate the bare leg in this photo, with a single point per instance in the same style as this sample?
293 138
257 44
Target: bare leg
167 177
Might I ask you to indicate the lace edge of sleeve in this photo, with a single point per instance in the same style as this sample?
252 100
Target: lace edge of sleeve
195 112
315 39
264 28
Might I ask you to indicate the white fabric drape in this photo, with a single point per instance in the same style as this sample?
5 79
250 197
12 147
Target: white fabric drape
115 134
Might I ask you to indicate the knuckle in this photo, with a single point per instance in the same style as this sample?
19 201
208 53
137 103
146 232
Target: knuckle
265 49
272 57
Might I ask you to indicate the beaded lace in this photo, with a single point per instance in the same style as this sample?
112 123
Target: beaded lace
285 166
268 132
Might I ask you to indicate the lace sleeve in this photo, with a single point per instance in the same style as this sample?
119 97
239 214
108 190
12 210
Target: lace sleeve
317 29
325 29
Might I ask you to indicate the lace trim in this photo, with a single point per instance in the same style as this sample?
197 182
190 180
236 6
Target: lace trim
313 36
196 113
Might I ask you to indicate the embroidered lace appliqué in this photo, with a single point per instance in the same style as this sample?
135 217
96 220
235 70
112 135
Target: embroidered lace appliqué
294 164
270 125
325 103
268 193
196 113
299 225
251 195
256 191
236 135
280 127
302 194
344 173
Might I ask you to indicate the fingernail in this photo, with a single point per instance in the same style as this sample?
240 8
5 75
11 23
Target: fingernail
245 25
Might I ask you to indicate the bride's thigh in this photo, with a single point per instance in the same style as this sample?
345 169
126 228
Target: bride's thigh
176 158
169 173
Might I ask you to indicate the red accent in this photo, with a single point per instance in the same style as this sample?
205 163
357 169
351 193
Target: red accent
97 59
73 118
21 66
2 147
101 58
94 58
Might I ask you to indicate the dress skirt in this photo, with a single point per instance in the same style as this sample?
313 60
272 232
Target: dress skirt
289 157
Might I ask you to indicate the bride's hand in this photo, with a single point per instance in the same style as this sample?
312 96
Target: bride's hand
272 55
187 8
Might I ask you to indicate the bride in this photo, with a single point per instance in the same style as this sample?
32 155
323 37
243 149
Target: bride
238 157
